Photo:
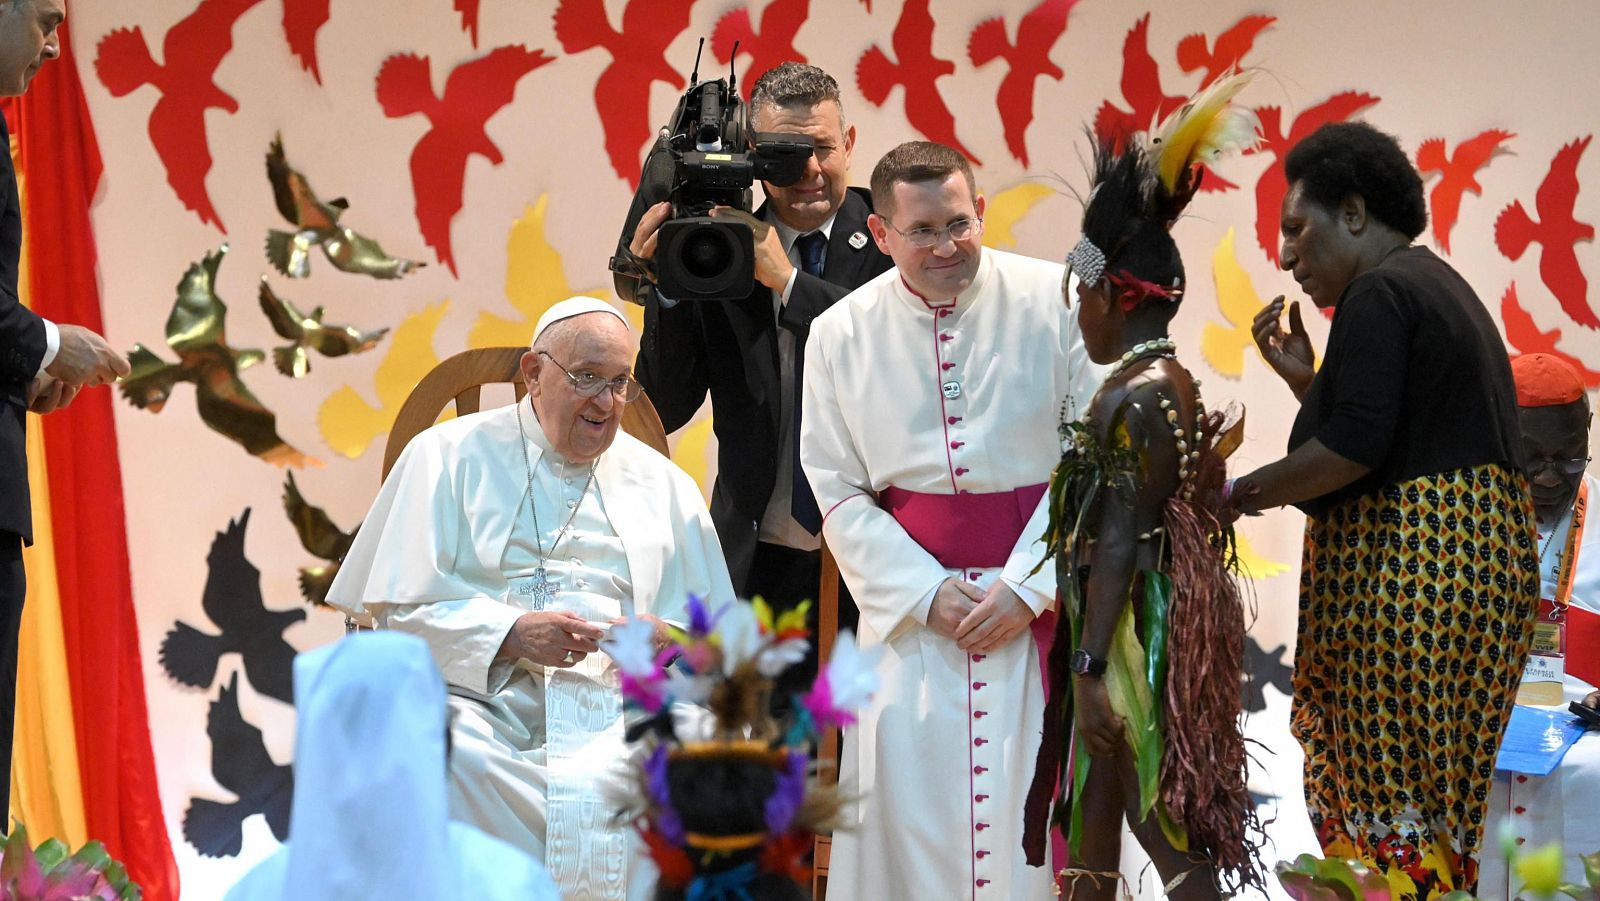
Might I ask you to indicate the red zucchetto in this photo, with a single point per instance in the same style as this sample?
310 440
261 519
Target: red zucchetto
1545 380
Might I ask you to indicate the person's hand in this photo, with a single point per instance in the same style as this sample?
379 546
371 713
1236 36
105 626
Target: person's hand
998 618
1592 700
952 603
555 638
643 244
660 637
85 358
772 264
1288 353
1099 728
46 394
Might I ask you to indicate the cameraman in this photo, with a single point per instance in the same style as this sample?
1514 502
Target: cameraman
811 248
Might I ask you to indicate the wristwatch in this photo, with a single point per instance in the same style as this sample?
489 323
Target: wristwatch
1087 664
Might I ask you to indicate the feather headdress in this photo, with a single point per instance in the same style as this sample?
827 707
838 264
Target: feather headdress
1140 187
733 792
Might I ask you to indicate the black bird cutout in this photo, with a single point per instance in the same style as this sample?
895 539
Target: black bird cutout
240 764
1262 669
321 538
232 601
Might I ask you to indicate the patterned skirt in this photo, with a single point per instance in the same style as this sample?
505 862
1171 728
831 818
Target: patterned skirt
1416 609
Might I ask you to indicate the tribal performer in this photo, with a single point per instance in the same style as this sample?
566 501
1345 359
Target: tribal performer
1144 712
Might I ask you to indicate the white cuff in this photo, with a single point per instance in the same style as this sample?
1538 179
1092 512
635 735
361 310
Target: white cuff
788 287
52 345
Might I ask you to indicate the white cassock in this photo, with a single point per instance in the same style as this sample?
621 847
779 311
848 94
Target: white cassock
1561 806
447 554
934 400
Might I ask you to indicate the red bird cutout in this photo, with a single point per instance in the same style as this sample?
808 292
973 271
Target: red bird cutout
638 58
1271 187
193 48
301 21
1028 58
1523 334
917 69
469 18
1458 175
772 45
475 90
1224 55
1141 89
1557 232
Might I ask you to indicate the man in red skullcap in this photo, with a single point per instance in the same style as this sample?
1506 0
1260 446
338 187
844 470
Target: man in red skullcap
1555 415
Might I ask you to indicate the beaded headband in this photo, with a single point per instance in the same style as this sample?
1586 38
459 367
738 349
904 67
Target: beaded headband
1087 260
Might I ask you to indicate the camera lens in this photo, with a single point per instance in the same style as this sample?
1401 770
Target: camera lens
707 253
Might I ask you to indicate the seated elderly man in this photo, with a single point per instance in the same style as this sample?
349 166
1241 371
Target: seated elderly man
1554 414
508 540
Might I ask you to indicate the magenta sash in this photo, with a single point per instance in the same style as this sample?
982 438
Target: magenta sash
1583 644
964 531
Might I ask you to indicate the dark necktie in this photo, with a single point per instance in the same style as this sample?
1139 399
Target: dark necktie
802 503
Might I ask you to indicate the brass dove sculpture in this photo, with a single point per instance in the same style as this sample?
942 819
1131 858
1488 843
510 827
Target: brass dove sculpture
320 537
309 333
317 223
195 330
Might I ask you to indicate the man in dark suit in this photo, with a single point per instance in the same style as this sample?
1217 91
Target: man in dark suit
812 248
42 364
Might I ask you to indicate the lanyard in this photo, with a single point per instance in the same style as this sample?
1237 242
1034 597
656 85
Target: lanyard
1574 544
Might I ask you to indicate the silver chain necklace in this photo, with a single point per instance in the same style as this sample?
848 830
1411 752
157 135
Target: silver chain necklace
542 589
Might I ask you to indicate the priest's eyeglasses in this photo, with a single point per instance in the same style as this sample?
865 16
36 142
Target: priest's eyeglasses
929 236
587 384
1572 467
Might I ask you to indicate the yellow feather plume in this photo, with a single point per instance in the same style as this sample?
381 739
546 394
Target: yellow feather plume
1203 129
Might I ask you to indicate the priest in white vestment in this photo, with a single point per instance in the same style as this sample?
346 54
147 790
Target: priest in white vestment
1555 412
509 540
370 722
932 396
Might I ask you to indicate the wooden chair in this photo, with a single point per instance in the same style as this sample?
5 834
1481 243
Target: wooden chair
461 378
828 751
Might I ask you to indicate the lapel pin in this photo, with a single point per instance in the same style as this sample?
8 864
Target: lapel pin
858 240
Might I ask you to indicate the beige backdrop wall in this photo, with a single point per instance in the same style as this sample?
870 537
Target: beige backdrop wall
541 225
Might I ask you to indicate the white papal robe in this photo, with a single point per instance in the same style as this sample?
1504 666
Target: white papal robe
944 397
447 554
1560 807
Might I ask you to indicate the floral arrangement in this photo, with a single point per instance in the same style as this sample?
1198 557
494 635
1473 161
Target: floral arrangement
50 873
1538 870
733 794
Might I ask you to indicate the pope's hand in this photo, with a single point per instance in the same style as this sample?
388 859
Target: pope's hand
555 638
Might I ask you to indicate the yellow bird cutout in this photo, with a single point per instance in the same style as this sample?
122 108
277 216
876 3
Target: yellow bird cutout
535 281
692 453
1253 563
1007 208
348 423
1224 346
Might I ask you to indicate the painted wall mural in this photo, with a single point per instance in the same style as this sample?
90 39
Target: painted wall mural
499 141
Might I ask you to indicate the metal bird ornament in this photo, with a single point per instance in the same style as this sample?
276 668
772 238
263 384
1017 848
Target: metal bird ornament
317 224
321 538
195 330
309 333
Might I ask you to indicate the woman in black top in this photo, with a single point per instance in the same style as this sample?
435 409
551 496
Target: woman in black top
1418 586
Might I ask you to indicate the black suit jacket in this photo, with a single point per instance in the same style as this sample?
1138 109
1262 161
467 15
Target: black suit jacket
730 348
22 347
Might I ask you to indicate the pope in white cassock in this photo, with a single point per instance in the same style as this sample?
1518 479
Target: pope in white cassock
932 395
508 540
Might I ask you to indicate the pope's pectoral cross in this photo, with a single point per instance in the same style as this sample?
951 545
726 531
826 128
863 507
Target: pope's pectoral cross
538 588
